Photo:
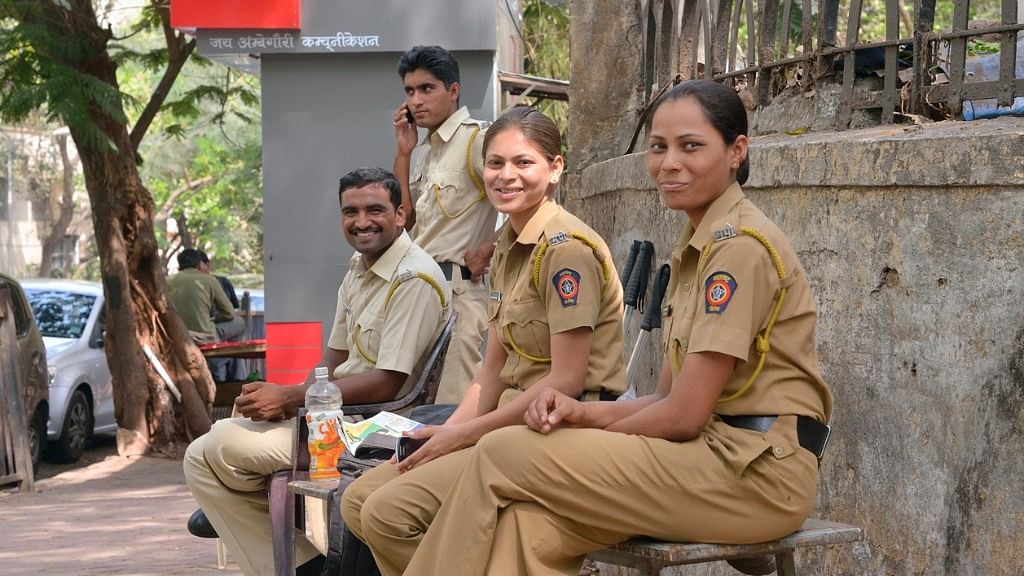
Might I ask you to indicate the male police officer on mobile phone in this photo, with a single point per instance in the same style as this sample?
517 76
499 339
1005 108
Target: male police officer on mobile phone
448 213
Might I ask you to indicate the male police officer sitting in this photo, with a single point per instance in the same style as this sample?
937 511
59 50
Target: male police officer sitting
373 347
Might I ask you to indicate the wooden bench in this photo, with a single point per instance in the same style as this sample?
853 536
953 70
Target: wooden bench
650 556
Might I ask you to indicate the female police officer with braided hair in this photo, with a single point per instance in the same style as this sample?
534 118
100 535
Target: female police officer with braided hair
725 449
555 322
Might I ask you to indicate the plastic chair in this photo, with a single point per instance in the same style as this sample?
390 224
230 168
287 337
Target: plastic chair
284 512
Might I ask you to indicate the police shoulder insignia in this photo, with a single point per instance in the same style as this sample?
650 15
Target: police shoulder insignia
567 282
407 275
724 233
718 290
559 238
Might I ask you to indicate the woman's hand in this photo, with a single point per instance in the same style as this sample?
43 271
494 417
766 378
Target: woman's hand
441 440
552 409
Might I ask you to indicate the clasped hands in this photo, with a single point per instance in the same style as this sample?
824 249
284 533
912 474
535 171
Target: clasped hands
265 401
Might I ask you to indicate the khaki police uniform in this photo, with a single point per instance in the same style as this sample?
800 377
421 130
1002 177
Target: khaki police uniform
528 503
388 315
555 276
453 216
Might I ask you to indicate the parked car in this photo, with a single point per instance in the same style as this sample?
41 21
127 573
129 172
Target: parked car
70 318
31 371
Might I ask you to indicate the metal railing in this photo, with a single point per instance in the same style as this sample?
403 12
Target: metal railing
703 41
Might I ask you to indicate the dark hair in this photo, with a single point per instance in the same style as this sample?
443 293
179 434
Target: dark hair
722 107
434 59
537 128
363 176
191 258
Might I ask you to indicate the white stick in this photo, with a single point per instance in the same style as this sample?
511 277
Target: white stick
161 371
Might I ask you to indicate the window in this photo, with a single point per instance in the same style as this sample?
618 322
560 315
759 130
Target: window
60 314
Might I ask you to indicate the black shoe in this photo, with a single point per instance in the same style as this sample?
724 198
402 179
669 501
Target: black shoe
199 525
312 567
758 565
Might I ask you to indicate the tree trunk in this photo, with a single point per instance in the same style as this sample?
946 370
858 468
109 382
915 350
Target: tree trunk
55 238
150 420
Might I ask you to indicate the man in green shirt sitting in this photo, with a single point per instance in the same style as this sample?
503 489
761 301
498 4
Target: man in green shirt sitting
201 302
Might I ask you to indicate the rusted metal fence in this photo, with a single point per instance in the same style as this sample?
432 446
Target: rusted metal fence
703 41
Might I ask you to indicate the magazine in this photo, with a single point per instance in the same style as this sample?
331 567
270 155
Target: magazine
380 431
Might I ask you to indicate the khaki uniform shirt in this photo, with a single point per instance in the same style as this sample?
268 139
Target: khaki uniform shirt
394 337
199 300
453 214
575 291
723 306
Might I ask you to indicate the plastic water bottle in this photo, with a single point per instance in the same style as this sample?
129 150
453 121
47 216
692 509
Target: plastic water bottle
322 395
323 418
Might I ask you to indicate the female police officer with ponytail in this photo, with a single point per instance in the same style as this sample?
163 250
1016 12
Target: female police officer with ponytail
555 322
724 451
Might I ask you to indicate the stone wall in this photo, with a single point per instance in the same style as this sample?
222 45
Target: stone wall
913 240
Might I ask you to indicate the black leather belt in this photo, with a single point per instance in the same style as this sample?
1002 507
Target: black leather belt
811 434
603 396
447 268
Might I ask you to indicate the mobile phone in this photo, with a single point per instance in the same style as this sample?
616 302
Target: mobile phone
409 116
406 446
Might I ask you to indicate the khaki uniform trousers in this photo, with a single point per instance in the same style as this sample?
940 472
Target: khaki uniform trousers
391 512
532 504
469 301
227 471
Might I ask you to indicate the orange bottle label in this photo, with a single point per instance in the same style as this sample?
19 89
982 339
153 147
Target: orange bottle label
325 445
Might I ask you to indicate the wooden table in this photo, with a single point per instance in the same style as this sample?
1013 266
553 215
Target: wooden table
252 349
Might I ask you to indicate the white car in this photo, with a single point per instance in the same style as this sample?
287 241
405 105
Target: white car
70 318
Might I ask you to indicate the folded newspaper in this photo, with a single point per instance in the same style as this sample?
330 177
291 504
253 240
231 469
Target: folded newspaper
380 431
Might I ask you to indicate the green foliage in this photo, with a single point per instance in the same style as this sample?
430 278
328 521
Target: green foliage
546 38
225 216
207 127
38 72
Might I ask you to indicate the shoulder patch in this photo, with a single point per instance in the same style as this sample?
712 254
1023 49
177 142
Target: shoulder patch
559 238
724 233
718 291
407 275
567 282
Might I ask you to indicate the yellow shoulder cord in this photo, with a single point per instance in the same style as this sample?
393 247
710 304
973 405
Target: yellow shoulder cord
537 261
761 339
387 300
543 248
472 176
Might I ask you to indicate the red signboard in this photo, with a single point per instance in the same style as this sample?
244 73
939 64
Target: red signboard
246 14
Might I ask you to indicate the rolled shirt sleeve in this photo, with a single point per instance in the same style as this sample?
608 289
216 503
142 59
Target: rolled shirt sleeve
737 288
571 281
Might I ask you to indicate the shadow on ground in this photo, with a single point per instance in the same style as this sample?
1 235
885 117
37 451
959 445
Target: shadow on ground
104 515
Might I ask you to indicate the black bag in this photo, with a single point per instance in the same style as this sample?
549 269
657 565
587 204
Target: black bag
346 554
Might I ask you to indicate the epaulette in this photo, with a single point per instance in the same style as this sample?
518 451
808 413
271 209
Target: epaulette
562 237
409 275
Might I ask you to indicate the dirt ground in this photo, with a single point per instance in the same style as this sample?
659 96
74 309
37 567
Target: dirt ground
104 515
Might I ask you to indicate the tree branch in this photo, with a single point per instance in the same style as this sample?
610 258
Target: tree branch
178 51
165 211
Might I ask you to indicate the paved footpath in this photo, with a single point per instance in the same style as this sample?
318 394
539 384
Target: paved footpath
105 515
